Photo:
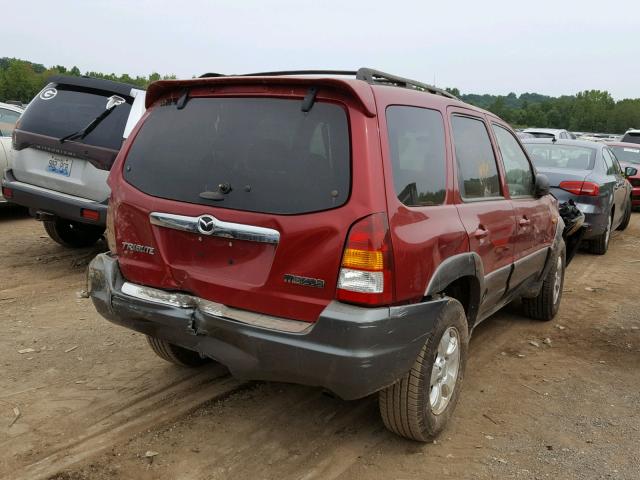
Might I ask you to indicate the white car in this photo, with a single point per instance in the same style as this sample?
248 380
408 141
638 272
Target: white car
9 115
556 133
631 136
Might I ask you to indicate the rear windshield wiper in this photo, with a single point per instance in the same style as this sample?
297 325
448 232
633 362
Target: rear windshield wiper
112 103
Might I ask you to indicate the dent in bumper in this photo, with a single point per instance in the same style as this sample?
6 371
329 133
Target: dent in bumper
349 350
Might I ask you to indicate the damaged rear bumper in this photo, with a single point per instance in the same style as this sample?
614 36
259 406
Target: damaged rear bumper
349 350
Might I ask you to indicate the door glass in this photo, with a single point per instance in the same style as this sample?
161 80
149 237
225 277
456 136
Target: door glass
477 168
416 144
608 160
516 164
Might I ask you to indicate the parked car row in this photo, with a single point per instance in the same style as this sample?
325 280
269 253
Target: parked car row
346 230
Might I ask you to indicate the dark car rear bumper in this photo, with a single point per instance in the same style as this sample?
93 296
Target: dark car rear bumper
58 204
349 350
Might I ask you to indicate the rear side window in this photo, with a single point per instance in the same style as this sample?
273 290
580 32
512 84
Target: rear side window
416 144
609 160
70 109
8 119
254 154
516 165
477 168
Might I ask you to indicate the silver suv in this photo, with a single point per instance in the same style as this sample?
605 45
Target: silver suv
63 147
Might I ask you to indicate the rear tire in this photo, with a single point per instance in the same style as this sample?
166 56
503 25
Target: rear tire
421 403
545 306
175 354
600 245
73 234
627 217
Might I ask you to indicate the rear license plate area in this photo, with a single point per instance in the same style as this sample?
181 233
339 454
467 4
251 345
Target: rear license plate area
60 166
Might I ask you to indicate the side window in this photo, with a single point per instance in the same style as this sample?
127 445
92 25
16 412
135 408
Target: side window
516 164
477 168
8 119
616 165
417 147
608 161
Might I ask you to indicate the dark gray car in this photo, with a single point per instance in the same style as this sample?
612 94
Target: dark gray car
589 174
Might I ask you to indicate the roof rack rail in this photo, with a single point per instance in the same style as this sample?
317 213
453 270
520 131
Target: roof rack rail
372 76
301 72
368 75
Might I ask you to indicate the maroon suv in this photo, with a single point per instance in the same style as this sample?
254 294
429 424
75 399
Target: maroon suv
347 233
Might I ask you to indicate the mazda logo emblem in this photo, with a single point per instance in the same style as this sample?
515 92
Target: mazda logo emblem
206 224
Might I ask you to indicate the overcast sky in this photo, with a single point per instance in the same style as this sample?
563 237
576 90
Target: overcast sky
483 46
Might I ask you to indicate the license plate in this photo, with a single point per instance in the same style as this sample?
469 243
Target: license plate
60 166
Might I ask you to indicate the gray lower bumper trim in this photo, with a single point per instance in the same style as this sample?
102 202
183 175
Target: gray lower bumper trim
349 350
56 203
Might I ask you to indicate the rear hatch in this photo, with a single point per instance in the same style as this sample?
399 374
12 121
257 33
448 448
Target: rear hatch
246 201
54 149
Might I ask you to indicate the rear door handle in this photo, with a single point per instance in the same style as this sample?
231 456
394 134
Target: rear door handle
524 222
481 232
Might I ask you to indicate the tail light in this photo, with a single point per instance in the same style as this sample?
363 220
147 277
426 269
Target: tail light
7 192
110 231
578 187
367 263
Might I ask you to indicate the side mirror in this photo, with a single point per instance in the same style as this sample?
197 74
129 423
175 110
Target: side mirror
630 172
542 185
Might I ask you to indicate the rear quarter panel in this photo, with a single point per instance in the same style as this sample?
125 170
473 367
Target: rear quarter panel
422 237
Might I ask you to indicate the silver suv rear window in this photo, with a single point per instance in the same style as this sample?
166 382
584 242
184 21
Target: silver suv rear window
71 109
253 154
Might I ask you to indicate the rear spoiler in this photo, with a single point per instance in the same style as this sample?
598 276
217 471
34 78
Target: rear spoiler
358 88
123 89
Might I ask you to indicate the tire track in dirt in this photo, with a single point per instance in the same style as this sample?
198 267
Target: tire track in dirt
149 410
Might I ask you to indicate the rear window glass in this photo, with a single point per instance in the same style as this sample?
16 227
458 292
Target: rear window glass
627 154
416 142
632 137
542 135
69 110
254 154
561 156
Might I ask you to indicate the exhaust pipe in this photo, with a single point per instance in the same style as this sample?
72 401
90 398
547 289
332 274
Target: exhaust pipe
44 216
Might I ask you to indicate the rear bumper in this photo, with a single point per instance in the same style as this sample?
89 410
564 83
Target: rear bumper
56 203
595 224
349 350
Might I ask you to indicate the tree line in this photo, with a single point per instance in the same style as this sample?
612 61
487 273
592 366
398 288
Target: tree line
21 80
592 111
588 111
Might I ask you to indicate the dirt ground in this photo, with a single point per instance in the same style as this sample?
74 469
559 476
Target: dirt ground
89 400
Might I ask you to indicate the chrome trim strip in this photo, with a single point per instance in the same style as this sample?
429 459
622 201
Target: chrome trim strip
215 227
181 300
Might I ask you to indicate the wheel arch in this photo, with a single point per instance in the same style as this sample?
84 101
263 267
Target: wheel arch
461 277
